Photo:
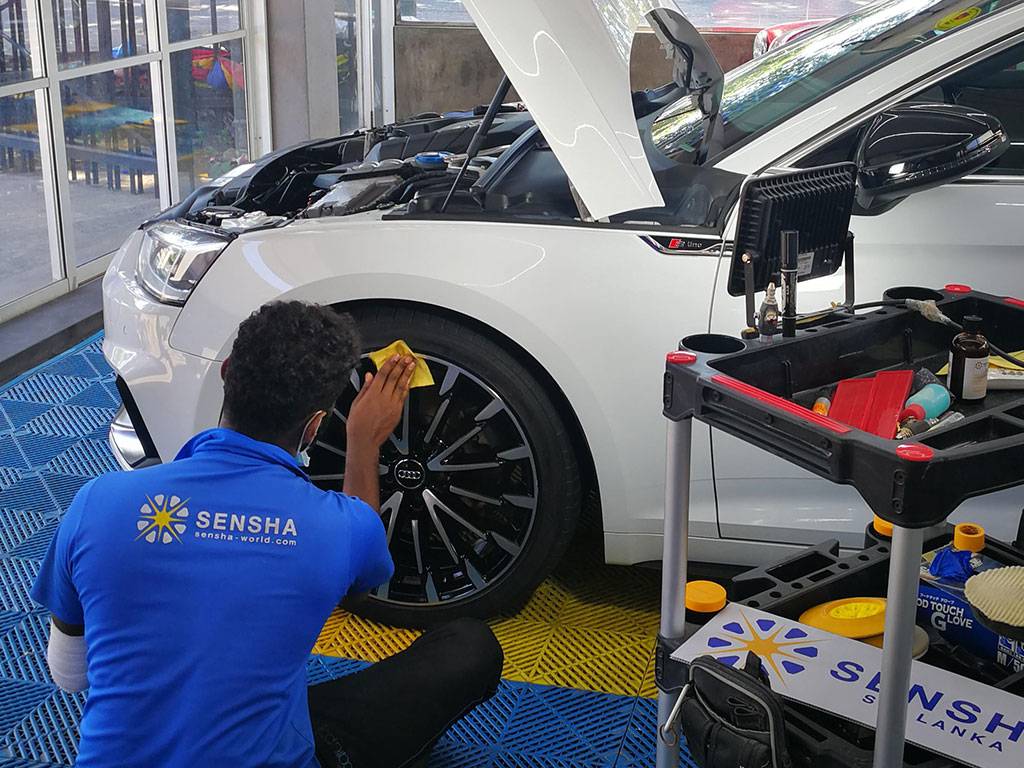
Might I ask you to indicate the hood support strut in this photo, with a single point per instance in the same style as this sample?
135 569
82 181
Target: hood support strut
478 138
706 85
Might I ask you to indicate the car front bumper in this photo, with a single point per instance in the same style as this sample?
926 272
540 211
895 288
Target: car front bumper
167 395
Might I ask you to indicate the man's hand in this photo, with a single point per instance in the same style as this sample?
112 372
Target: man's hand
371 420
378 406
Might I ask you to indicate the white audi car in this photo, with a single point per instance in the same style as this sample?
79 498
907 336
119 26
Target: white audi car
545 285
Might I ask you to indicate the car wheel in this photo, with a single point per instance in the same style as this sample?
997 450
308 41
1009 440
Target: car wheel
480 485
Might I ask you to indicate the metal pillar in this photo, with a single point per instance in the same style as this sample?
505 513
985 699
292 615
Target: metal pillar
897 653
673 565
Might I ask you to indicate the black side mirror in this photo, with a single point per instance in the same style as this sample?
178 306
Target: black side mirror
913 147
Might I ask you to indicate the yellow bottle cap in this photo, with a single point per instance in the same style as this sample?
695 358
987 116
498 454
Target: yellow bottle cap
705 596
969 536
882 527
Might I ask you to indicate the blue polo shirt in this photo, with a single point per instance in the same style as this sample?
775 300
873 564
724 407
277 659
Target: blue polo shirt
202 585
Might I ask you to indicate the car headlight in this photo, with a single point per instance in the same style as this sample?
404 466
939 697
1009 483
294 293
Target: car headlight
174 257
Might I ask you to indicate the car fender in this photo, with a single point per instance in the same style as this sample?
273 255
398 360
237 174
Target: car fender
593 307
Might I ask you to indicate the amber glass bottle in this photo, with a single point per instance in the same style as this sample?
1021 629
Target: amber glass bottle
968 362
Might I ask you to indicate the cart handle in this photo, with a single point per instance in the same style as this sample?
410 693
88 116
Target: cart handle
781 403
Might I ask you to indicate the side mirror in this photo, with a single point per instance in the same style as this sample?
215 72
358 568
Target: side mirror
913 147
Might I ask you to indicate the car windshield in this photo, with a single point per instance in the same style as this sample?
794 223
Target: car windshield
765 91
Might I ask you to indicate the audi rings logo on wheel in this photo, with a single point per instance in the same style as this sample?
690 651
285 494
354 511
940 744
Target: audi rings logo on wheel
410 474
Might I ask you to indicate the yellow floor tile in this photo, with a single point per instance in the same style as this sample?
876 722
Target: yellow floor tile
352 637
593 660
649 688
589 626
524 643
546 604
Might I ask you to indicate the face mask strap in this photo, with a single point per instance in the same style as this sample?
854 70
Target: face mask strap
303 452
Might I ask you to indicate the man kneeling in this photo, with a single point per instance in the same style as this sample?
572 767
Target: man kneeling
186 596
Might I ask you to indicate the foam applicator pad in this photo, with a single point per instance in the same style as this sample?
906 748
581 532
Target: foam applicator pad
921 642
421 377
998 595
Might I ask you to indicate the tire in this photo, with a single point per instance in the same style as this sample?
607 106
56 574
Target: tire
495 513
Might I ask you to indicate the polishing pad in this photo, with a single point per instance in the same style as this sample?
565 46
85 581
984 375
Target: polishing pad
921 642
853 617
421 377
997 596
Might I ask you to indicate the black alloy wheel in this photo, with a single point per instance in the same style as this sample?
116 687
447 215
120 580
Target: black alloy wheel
479 485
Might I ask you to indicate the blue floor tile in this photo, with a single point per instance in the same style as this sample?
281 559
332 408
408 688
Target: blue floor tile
29 492
19 699
50 732
53 423
18 413
17 525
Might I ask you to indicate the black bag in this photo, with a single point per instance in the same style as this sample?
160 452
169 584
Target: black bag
731 717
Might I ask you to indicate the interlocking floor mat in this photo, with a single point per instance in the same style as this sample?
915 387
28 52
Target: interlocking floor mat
578 678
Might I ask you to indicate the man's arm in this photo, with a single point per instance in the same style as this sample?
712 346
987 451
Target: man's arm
362 475
55 590
66 655
371 420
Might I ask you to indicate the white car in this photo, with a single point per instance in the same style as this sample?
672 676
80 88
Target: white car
580 246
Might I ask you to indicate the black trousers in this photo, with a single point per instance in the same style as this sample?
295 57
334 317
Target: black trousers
391 714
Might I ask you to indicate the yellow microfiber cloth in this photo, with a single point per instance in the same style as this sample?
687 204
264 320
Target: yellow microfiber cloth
995 361
421 377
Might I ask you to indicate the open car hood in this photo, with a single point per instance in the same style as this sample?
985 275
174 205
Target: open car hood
569 61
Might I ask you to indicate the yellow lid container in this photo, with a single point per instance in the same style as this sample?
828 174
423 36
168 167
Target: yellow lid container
853 617
969 536
705 596
882 527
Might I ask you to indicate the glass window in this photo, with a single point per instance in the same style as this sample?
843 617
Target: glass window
761 94
995 86
210 132
439 11
190 19
346 37
111 150
15 43
738 14
91 31
758 14
25 263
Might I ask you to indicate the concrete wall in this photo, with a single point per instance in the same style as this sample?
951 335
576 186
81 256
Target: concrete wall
303 70
442 68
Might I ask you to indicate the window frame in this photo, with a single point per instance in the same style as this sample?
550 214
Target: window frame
980 175
46 85
792 158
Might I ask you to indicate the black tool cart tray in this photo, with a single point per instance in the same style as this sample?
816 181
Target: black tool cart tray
763 392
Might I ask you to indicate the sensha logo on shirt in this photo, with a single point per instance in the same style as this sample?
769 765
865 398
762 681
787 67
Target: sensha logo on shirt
246 529
163 518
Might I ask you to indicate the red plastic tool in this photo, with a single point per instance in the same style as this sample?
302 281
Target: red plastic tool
873 405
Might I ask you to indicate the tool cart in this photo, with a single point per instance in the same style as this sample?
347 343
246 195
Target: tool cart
763 389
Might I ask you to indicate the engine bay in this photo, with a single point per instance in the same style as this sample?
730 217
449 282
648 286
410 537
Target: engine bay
352 173
412 169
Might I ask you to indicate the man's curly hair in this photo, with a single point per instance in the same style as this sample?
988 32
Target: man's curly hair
290 360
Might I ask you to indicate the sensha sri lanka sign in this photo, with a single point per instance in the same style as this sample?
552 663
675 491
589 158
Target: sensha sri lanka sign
948 714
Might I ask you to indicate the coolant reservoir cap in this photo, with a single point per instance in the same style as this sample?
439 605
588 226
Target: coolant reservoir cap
432 159
969 536
705 596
